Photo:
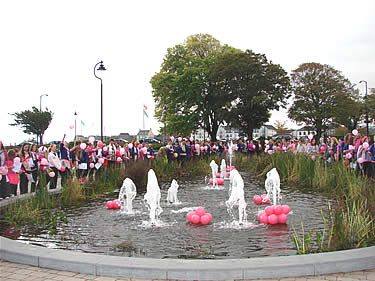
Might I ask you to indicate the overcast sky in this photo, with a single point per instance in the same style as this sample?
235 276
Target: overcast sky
51 47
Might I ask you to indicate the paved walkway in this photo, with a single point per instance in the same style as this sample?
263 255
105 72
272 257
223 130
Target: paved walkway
14 271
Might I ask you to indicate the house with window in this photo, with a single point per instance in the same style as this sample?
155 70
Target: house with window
303 132
145 134
265 131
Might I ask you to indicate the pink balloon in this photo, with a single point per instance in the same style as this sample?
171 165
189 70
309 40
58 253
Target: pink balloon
1 177
189 215
257 199
218 175
130 145
197 147
264 200
152 157
355 132
313 158
172 138
205 219
227 169
282 218
360 160
348 156
266 141
44 162
272 219
71 127
277 210
105 149
200 211
206 147
365 145
191 139
195 219
220 181
286 209
101 160
100 143
270 152
110 204
17 160
62 169
3 171
311 137
117 204
52 174
82 146
269 210
92 165
260 215
209 215
91 139
179 139
118 160
175 155
263 218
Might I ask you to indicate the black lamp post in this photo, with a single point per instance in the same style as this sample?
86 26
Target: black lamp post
40 103
75 125
101 67
366 106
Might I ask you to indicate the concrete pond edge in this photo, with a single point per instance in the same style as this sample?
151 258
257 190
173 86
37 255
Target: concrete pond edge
178 269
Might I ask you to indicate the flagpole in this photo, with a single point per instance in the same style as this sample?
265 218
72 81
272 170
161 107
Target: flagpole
143 114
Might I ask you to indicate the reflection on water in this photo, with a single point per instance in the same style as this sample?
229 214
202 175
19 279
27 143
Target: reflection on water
95 229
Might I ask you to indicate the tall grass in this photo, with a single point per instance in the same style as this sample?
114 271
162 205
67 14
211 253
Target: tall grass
351 223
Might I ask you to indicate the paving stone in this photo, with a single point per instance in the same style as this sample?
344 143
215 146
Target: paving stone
104 278
370 275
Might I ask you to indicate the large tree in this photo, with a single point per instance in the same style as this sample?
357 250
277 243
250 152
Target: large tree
182 91
371 105
350 110
33 121
255 85
318 92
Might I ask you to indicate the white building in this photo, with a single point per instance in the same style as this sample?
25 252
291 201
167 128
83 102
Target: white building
223 133
265 131
303 132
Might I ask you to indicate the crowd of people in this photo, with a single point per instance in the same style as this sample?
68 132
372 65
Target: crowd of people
24 167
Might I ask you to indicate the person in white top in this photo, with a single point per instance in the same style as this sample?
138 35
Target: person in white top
54 165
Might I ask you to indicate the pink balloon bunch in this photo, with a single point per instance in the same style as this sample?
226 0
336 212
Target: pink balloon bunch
274 214
199 216
115 204
261 199
217 181
218 175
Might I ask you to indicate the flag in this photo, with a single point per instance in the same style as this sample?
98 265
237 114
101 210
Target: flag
83 123
144 111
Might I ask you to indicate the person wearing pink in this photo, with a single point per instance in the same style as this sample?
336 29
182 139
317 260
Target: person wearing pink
26 168
4 189
12 175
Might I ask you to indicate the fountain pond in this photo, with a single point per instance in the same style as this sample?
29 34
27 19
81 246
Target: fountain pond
167 234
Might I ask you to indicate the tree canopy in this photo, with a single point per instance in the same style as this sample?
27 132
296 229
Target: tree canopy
203 84
319 91
33 121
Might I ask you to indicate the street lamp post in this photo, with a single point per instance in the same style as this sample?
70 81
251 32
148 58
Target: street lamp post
40 103
75 125
366 106
101 67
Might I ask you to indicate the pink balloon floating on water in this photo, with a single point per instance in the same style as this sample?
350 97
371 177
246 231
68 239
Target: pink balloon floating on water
200 211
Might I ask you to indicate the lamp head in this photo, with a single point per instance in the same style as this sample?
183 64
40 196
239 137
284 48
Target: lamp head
101 66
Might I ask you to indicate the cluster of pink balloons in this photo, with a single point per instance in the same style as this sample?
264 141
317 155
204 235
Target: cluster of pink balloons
199 216
228 169
217 181
115 204
259 199
218 175
274 214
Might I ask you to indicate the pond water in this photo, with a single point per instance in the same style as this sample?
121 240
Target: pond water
94 228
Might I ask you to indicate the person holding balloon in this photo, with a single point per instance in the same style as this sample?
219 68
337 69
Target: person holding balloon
65 160
54 165
83 162
34 166
11 174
